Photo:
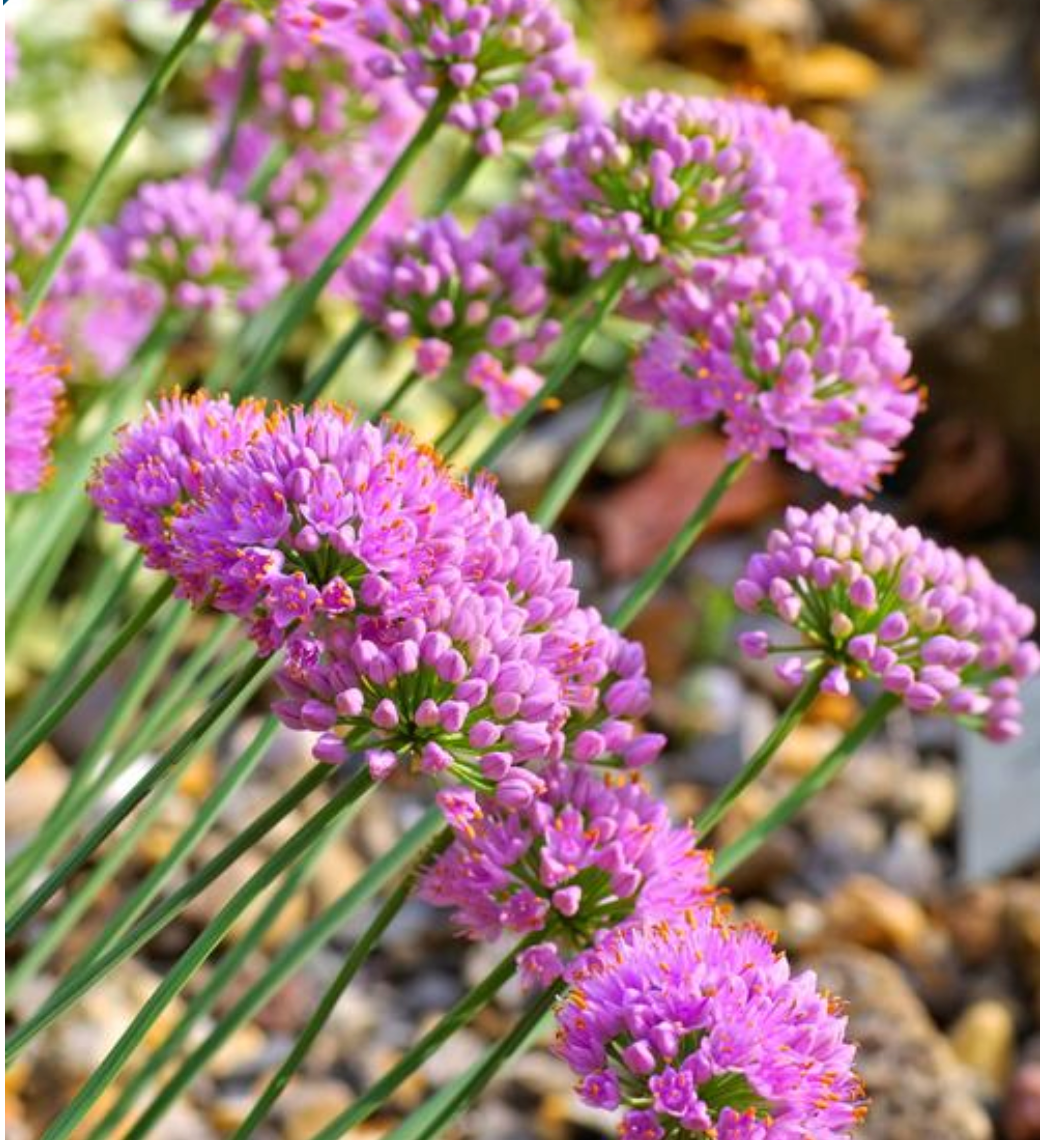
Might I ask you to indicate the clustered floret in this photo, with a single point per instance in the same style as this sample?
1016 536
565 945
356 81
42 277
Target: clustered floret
33 386
788 355
588 853
509 65
476 302
873 599
422 623
667 179
203 247
697 1029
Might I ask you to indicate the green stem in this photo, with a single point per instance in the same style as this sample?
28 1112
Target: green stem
186 966
729 858
431 1119
324 374
160 80
457 183
82 685
223 974
287 961
243 96
220 710
346 974
203 820
709 819
308 293
81 791
461 1014
98 615
651 581
396 396
565 361
576 465
457 432
81 979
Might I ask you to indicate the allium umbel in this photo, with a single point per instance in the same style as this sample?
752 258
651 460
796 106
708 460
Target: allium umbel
33 386
589 852
508 64
664 179
475 301
787 355
698 1030
870 598
205 248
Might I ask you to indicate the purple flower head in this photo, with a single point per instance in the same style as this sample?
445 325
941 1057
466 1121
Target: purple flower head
510 65
33 370
703 1032
158 464
313 199
477 302
788 355
586 854
821 199
664 179
202 246
96 310
313 89
873 599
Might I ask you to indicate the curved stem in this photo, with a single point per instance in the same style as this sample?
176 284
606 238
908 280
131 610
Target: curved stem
81 979
716 811
160 80
457 432
222 975
650 582
729 858
79 688
337 987
337 357
576 465
567 355
461 1014
196 955
430 1120
287 961
220 710
99 615
397 395
307 294
245 92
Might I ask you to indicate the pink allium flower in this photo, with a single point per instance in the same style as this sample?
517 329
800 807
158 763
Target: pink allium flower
873 599
788 355
97 311
33 370
664 179
159 463
696 1029
201 245
476 302
821 199
313 199
588 853
510 65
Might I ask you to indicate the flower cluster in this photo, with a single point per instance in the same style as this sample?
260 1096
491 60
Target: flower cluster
421 622
587 854
873 599
697 1029
668 178
33 370
159 462
96 310
476 302
787 355
202 246
509 65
